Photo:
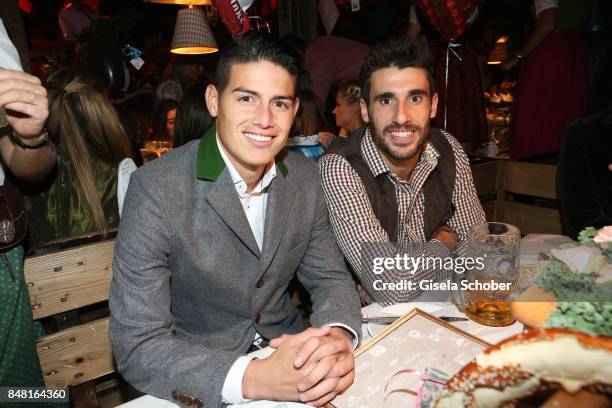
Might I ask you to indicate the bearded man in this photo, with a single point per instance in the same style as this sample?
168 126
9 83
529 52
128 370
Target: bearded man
399 189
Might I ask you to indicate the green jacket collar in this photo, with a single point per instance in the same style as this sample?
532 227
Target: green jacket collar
209 162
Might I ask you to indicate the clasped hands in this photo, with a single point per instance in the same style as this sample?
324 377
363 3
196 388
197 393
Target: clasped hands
312 367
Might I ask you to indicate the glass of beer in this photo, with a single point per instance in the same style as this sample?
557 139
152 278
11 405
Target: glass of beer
487 288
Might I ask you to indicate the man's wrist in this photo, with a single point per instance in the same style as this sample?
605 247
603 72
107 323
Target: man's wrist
345 332
232 392
352 335
249 381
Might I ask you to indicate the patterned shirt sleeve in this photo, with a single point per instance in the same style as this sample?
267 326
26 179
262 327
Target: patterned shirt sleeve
366 244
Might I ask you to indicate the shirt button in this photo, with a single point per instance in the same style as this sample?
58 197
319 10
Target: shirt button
257 318
259 283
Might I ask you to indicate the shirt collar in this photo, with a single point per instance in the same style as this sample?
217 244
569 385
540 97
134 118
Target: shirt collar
237 178
209 161
379 166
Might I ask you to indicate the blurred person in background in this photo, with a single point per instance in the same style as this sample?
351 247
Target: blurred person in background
77 16
163 121
347 110
458 74
331 61
84 193
136 116
180 72
308 126
192 117
584 168
161 139
25 153
553 81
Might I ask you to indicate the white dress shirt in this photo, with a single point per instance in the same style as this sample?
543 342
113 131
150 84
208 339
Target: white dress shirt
254 205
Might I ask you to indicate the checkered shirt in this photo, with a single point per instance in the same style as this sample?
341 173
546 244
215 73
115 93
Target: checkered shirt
361 236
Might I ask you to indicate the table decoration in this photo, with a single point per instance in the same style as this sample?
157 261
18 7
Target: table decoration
574 288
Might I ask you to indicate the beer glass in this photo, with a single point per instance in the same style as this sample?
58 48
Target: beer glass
487 289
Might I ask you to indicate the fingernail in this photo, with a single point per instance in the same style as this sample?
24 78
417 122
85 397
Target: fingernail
301 387
298 361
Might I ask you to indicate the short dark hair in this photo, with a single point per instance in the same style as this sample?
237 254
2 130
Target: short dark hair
192 116
399 52
254 46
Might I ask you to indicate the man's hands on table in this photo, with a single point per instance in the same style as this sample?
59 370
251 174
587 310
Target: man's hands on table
312 367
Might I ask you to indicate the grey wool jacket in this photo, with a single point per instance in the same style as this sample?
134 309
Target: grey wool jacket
190 287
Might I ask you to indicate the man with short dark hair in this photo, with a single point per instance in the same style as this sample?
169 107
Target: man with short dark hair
398 187
211 235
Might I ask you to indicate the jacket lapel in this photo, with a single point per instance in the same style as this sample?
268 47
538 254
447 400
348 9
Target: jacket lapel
222 195
224 199
280 202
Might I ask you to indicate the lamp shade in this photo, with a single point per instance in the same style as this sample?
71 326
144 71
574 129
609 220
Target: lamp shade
192 34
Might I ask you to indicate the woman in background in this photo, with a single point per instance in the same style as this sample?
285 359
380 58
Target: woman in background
552 86
161 139
347 110
83 194
163 121
192 117
309 127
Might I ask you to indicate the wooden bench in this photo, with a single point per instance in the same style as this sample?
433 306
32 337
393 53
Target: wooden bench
536 182
65 281
525 194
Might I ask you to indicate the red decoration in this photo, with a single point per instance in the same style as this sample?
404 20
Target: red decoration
448 17
25 5
233 17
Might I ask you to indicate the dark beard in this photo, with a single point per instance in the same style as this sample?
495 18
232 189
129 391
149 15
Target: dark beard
385 146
